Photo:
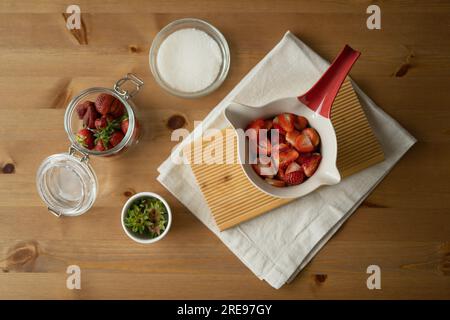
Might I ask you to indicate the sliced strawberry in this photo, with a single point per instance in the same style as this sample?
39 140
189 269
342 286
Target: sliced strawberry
293 166
303 157
85 138
294 174
275 182
303 143
294 177
281 131
280 147
285 121
300 123
277 133
268 124
282 138
259 169
286 157
312 135
264 147
311 163
256 125
252 130
280 174
291 136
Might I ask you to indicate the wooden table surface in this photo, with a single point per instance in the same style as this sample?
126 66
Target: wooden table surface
404 225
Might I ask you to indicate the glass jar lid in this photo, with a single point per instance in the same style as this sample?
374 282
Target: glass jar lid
67 184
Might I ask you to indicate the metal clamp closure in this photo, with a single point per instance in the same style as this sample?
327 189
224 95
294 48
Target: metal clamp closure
82 156
125 93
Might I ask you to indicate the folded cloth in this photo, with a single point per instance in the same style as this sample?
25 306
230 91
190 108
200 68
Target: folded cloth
278 244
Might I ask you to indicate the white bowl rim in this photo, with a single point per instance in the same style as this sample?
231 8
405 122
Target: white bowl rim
128 203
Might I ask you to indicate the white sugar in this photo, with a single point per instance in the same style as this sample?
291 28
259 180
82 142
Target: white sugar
189 60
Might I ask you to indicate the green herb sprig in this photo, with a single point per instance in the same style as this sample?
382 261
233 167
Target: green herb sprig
105 133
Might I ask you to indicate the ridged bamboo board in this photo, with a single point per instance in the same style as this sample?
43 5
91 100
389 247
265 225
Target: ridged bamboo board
233 199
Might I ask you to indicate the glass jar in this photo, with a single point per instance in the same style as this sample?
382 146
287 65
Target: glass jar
66 182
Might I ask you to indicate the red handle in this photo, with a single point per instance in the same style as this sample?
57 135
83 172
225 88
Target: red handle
321 96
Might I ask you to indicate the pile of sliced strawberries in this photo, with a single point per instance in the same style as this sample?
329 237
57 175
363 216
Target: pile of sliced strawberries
298 149
105 123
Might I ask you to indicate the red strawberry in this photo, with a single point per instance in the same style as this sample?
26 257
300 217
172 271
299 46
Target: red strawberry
303 143
294 178
286 157
268 124
82 107
124 126
89 116
103 103
256 125
300 123
102 122
293 166
99 146
264 147
280 147
285 121
115 138
312 135
281 174
253 128
303 157
291 136
311 163
277 132
117 109
282 138
276 126
85 138
260 170
275 182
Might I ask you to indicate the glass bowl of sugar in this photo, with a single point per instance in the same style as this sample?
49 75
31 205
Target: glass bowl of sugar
189 58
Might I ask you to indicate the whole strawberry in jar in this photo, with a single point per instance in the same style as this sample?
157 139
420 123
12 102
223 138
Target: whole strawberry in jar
99 122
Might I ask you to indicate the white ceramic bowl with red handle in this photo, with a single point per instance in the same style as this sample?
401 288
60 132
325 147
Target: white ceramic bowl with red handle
315 105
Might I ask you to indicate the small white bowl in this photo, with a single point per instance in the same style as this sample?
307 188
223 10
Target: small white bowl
189 23
136 237
239 116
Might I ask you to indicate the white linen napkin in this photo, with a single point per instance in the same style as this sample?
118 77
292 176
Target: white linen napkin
278 244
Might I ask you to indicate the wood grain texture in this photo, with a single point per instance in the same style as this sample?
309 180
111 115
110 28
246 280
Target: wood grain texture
404 226
233 199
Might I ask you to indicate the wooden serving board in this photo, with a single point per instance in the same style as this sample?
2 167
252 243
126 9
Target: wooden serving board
233 199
